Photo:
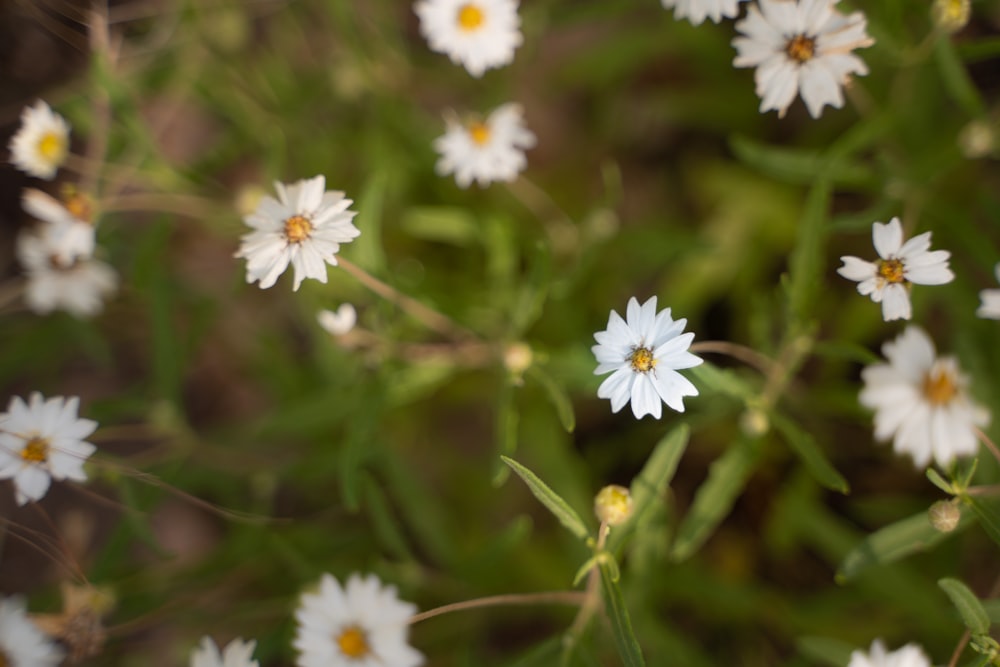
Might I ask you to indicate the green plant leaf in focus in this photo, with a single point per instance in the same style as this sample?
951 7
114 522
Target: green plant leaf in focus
621 624
555 504
968 605
807 449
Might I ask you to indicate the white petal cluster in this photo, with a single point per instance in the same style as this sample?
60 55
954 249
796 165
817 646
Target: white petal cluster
990 298
888 279
42 440
485 150
303 227
238 653
921 401
910 655
362 624
41 143
22 644
71 236
645 351
800 47
479 34
340 322
697 11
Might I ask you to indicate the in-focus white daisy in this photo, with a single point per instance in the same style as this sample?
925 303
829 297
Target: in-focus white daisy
71 232
645 351
41 143
910 655
485 150
479 34
800 46
921 401
697 11
888 279
990 306
303 227
42 440
238 653
22 644
363 624
340 322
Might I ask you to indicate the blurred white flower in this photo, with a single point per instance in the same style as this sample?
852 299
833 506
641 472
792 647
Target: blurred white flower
485 150
340 322
888 279
41 143
71 230
41 441
921 402
910 655
645 351
697 11
238 653
800 46
22 644
363 624
990 307
479 34
303 227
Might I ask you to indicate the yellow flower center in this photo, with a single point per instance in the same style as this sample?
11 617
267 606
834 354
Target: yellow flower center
78 204
891 270
801 48
297 229
480 133
52 146
35 451
470 17
939 387
353 643
642 360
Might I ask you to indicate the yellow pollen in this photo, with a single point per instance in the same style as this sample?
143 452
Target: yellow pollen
642 360
891 270
480 133
353 643
36 450
939 387
52 146
470 17
801 48
297 229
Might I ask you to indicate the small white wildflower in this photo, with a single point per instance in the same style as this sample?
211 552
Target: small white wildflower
71 231
888 279
800 46
340 322
485 151
43 440
910 655
990 306
363 624
645 351
921 401
697 11
22 644
303 227
479 34
238 653
41 144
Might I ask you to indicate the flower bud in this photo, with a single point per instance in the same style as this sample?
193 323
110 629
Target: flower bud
613 505
944 515
977 139
517 357
754 422
951 15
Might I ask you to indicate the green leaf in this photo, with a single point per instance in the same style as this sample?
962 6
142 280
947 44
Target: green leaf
797 165
956 78
940 482
803 444
621 624
505 430
806 264
445 224
533 293
723 381
832 652
968 605
384 523
557 395
366 250
988 515
559 507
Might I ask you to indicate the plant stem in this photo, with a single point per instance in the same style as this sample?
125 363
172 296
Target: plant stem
747 355
551 597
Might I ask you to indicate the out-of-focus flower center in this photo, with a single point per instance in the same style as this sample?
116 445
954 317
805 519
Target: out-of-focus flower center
480 133
470 17
353 643
940 386
297 229
642 360
57 263
36 450
78 204
52 147
891 270
801 48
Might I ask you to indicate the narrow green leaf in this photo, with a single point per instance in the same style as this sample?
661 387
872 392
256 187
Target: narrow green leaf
956 78
968 605
367 250
806 264
832 652
557 395
621 624
384 523
940 482
807 449
585 569
533 293
445 224
798 165
559 507
723 381
992 609
505 430
988 515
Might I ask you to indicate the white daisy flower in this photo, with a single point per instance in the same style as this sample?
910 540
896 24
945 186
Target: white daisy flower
22 644
800 46
645 351
41 144
901 265
340 322
41 441
238 653
485 151
697 11
71 228
921 401
910 655
303 227
990 306
479 34
363 624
